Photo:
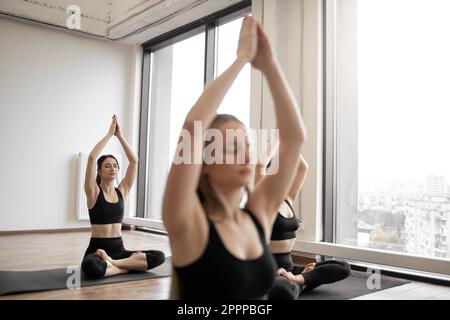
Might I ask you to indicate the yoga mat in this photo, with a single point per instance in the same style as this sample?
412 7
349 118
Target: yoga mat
43 280
353 286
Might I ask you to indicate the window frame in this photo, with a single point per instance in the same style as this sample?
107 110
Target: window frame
209 25
328 247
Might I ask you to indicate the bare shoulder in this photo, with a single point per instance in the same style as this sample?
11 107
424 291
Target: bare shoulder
255 207
124 191
91 196
189 243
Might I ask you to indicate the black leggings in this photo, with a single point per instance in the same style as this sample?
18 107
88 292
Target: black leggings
94 267
324 272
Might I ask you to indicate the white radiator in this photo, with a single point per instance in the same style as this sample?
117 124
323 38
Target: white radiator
81 205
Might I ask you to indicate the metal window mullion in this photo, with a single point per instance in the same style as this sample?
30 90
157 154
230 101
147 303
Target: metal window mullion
329 196
209 25
144 121
210 53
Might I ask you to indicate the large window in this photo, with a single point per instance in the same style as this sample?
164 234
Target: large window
177 80
237 101
388 110
176 70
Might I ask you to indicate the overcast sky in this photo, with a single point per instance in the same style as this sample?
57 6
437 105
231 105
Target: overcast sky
404 88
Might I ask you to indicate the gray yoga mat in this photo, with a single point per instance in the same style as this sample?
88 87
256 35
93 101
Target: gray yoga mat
353 286
43 280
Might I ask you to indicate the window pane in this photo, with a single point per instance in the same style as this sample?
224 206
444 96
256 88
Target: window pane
187 83
237 101
392 102
177 82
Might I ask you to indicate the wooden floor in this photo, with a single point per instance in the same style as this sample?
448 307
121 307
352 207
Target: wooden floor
40 251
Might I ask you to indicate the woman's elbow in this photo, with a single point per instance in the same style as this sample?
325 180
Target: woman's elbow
134 160
297 137
304 165
295 142
189 125
302 137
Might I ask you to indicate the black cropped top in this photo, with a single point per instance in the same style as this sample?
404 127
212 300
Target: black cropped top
285 228
218 274
105 212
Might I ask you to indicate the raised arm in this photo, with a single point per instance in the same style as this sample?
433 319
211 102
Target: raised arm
130 176
90 185
264 159
273 189
262 170
299 179
181 206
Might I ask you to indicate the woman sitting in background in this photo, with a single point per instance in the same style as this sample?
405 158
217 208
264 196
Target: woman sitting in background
106 255
291 280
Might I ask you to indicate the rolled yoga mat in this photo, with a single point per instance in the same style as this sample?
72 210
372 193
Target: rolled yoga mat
43 280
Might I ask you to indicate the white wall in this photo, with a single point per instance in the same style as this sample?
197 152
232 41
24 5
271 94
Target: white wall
57 95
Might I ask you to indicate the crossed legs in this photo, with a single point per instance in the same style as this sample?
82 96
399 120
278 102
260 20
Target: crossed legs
100 264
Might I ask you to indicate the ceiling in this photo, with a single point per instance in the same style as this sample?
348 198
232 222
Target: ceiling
130 21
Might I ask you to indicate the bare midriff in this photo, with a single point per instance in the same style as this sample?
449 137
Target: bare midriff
281 246
112 230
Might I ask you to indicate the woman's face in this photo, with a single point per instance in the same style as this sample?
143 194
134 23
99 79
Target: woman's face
237 172
109 169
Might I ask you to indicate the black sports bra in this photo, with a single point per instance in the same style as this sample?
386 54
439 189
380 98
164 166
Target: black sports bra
285 228
105 212
218 274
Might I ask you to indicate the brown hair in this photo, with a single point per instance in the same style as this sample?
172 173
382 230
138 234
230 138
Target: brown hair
100 161
205 191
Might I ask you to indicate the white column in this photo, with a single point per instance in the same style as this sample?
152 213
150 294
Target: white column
134 107
295 30
312 101
158 164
